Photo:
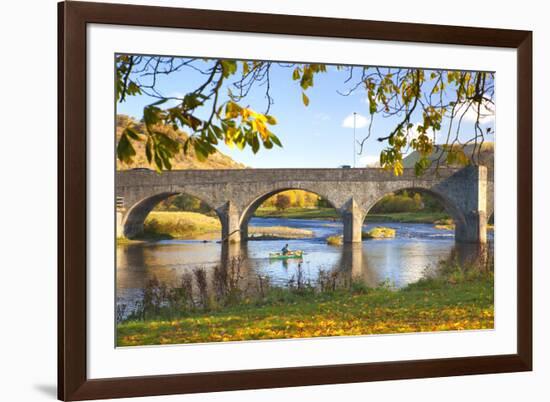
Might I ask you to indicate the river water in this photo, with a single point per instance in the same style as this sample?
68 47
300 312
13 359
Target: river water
415 252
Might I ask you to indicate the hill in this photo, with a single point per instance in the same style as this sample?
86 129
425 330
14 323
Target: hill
217 160
486 155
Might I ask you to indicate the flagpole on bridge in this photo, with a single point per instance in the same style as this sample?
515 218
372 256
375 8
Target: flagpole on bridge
354 141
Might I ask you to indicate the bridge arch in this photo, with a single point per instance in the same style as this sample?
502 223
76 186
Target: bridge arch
259 199
450 207
133 221
235 194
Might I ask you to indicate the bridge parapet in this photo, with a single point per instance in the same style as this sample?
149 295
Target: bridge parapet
236 194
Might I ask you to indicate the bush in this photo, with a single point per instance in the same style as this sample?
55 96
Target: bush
405 202
282 202
379 233
335 240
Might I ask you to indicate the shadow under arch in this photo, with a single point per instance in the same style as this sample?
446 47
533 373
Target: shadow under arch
449 206
134 218
253 205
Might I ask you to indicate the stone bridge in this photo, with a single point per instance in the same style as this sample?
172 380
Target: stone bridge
467 194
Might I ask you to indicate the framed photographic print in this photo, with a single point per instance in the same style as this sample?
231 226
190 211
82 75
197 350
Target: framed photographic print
254 200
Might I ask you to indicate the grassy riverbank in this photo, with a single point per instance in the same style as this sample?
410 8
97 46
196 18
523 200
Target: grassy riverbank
161 225
407 217
277 232
331 214
181 225
297 213
456 300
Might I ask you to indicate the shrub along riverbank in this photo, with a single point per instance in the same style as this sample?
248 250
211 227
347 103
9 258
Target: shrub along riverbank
456 298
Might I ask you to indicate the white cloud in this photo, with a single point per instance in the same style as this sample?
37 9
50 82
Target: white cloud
413 131
487 116
360 121
369 161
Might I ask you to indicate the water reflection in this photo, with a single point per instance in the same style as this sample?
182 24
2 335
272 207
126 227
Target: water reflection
413 254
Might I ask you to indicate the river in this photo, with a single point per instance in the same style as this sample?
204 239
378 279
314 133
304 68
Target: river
413 253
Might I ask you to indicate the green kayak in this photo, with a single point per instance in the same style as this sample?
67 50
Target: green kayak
290 254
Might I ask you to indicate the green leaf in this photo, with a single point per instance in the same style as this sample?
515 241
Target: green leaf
229 67
200 152
125 149
149 149
271 120
255 144
133 89
421 165
165 142
158 163
133 134
159 102
192 101
212 138
151 115
218 131
275 140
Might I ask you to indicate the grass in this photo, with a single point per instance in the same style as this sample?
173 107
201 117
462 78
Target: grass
278 232
375 233
448 224
332 214
298 213
454 299
407 217
444 224
121 241
420 308
161 225
181 225
379 233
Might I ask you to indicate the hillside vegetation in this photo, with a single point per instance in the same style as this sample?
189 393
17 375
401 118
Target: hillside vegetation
217 160
485 156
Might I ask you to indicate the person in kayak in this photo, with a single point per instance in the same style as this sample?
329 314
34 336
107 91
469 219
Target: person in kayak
284 250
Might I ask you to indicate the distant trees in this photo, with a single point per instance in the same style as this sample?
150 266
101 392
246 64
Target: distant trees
404 202
282 202
322 203
417 198
184 202
297 198
401 201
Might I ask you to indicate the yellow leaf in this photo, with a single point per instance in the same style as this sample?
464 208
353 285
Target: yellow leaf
245 113
397 168
305 99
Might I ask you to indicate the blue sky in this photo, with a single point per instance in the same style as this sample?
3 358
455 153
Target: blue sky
317 136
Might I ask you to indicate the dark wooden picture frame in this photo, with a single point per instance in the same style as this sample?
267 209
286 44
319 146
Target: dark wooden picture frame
73 17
